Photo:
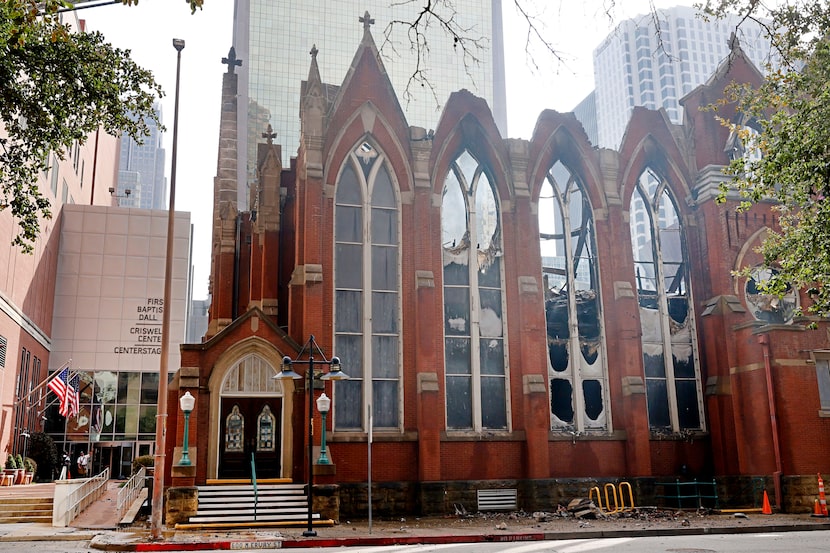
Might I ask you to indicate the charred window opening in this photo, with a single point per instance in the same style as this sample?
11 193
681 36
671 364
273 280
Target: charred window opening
367 284
592 392
673 390
576 359
765 306
474 354
561 394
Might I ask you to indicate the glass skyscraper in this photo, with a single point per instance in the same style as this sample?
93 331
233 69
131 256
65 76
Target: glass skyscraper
273 39
141 180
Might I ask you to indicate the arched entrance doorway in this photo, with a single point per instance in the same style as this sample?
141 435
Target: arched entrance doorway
251 419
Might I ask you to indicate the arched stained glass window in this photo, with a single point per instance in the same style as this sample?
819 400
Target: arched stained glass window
672 372
474 353
266 430
234 431
576 351
367 297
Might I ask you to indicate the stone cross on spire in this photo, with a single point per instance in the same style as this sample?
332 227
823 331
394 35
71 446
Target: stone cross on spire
231 60
313 51
366 20
269 134
734 42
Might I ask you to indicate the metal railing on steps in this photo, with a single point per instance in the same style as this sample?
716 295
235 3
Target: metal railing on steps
72 497
130 491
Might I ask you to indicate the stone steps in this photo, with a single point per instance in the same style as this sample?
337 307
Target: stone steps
26 509
238 505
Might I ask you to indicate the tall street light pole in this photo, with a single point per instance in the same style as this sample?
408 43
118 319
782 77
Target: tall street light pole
161 410
288 373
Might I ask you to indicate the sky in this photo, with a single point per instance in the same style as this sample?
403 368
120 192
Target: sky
574 28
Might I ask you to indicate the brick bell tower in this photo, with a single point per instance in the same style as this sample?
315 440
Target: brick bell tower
225 211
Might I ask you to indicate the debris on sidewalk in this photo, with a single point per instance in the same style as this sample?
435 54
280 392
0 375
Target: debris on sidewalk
583 507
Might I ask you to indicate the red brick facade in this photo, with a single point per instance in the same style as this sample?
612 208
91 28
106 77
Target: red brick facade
273 285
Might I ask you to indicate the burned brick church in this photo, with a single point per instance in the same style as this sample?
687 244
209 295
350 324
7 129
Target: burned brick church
535 315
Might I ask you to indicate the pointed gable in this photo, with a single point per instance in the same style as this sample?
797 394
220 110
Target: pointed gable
364 104
709 135
467 122
561 136
651 140
366 81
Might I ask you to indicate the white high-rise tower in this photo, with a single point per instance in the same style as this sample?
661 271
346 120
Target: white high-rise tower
641 65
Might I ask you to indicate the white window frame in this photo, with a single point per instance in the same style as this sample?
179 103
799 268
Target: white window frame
653 207
821 358
355 158
573 372
473 292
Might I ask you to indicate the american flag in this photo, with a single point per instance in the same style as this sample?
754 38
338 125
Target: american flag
58 384
71 402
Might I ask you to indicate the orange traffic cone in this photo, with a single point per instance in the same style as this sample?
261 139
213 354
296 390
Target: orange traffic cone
817 509
821 498
767 508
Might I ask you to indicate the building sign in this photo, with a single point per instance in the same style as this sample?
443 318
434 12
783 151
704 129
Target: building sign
110 285
145 331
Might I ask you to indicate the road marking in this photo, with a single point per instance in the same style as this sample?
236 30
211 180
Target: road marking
540 545
566 546
409 548
593 545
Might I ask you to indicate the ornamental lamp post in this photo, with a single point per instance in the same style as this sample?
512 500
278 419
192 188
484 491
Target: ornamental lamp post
186 402
288 373
323 405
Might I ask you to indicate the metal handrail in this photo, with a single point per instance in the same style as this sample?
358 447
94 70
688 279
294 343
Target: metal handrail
253 483
88 492
130 491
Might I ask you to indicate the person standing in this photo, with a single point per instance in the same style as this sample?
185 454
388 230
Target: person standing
83 461
67 466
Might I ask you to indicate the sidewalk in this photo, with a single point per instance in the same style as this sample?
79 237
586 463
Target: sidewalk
429 530
98 526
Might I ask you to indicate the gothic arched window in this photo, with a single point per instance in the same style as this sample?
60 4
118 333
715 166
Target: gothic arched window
266 424
234 430
367 297
576 349
672 374
474 352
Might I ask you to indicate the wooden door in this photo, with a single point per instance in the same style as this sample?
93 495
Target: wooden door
250 426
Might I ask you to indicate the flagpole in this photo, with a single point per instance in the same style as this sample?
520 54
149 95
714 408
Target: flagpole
47 380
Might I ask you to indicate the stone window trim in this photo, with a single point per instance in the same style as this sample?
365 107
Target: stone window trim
821 360
572 303
669 341
367 244
476 377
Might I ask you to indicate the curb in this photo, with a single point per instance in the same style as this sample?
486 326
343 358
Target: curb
11 537
444 539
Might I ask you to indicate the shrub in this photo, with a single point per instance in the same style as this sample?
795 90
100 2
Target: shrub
29 464
146 461
10 462
44 453
18 459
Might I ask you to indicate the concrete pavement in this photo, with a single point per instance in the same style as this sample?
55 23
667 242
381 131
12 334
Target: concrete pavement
98 525
433 530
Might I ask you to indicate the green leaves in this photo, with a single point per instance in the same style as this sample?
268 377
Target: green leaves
56 87
791 112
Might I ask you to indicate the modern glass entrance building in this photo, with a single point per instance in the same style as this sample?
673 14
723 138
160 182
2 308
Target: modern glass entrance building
116 421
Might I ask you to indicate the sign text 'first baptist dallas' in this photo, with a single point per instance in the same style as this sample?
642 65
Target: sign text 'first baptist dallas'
145 333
